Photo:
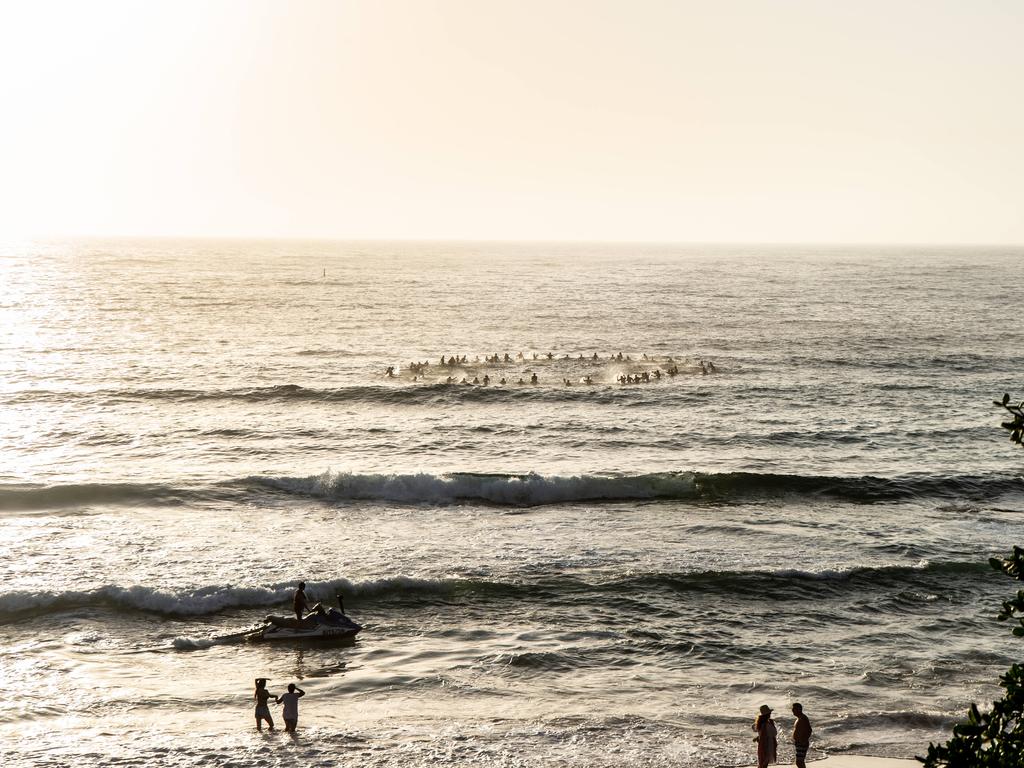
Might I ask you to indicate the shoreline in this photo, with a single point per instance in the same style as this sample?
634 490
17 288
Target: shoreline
856 761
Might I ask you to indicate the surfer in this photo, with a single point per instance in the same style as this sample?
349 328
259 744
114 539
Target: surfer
262 696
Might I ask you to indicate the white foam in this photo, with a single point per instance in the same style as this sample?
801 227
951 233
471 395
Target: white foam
518 490
204 600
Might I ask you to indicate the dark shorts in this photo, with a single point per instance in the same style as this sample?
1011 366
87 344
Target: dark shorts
801 749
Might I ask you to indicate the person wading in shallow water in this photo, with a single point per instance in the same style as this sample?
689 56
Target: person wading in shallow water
801 735
291 706
262 696
767 738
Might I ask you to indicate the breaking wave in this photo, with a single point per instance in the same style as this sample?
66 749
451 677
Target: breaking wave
203 601
518 490
536 490
513 490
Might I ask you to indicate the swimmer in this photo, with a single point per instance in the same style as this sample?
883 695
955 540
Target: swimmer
533 379
487 379
520 381
476 380
502 382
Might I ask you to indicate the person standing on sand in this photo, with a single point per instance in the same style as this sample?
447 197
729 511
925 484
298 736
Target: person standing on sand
767 738
262 696
291 706
801 735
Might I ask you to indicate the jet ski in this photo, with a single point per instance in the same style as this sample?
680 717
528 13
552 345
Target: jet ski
321 624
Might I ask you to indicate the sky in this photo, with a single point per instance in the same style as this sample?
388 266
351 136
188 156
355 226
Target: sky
893 121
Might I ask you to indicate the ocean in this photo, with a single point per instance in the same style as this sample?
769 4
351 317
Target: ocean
553 574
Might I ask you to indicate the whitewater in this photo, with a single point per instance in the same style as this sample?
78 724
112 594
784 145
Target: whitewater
549 573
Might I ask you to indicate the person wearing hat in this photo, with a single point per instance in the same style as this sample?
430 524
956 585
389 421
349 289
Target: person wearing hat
767 738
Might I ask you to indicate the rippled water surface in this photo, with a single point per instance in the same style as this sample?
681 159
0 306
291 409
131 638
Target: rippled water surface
555 573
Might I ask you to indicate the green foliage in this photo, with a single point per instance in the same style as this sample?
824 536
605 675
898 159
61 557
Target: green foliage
994 739
1016 425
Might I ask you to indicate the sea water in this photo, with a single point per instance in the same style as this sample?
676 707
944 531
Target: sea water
558 573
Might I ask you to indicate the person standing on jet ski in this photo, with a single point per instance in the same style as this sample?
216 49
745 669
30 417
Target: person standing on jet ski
299 603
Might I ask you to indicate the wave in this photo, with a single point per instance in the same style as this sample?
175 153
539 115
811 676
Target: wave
204 601
377 394
511 490
795 583
536 490
520 490
208 600
29 497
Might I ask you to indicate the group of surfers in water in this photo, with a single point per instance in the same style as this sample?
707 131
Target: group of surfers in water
418 369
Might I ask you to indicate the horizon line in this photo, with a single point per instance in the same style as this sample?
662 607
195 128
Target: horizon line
522 241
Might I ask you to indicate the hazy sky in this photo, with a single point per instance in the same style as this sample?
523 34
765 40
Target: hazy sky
674 120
